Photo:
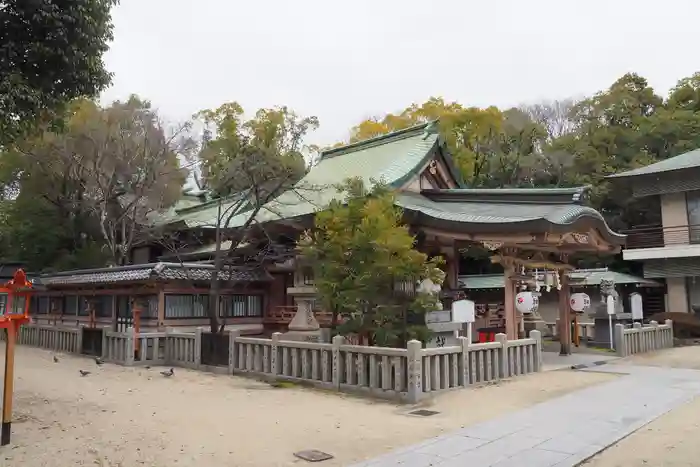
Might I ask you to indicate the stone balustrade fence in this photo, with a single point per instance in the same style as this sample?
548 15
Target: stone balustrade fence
640 339
408 375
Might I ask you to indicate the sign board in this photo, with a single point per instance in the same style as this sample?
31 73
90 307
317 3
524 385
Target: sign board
463 311
444 316
610 304
636 306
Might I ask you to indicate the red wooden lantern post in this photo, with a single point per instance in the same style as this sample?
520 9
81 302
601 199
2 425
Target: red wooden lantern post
16 292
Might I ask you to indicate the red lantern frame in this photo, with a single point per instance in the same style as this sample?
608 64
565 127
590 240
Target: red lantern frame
18 291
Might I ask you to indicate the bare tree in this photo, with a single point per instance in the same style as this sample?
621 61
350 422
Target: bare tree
132 171
555 116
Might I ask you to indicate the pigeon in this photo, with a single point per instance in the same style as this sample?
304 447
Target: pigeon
99 361
55 359
147 367
168 373
84 372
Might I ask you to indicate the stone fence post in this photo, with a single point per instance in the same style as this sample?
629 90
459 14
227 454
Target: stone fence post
415 371
537 335
619 340
275 353
198 348
79 341
503 364
232 350
463 377
168 346
337 363
130 347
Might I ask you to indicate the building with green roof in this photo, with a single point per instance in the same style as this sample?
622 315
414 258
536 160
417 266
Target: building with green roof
522 227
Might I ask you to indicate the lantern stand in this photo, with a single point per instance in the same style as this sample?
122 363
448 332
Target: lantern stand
16 313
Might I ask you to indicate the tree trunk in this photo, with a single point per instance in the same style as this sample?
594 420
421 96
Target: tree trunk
215 285
214 293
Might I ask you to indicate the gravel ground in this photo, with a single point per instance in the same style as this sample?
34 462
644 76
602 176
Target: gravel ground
126 417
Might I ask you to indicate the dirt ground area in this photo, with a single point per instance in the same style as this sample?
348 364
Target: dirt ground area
127 417
670 440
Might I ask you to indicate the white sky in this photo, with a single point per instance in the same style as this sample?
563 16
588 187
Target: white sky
344 61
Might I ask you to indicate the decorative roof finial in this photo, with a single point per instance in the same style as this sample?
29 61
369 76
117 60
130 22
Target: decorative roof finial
430 129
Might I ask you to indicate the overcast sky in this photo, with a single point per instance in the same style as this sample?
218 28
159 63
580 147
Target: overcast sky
344 61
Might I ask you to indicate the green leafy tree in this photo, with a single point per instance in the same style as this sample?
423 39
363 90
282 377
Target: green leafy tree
364 262
490 147
278 133
247 164
51 54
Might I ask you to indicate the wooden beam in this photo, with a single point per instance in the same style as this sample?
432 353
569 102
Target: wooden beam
531 264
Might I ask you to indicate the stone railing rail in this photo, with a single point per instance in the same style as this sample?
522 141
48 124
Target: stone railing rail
51 338
409 374
640 339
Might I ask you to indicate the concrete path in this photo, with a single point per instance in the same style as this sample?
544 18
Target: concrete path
561 432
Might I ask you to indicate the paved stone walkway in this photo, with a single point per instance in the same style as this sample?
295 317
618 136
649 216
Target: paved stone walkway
561 432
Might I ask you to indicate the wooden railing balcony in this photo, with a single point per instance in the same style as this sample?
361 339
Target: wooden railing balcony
284 315
659 236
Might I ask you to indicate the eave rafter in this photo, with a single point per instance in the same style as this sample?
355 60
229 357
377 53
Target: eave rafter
552 242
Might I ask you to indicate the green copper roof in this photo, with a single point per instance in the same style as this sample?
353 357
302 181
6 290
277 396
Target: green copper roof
688 160
393 158
509 211
579 277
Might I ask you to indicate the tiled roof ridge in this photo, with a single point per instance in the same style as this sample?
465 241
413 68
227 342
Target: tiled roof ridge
425 128
687 160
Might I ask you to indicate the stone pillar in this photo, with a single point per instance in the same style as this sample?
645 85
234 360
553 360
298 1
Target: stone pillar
197 347
503 367
129 357
415 371
619 340
509 302
232 355
275 353
537 335
564 315
337 363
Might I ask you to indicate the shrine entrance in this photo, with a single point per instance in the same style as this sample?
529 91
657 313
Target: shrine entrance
535 253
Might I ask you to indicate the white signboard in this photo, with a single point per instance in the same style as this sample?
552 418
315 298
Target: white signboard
610 305
636 306
463 311
443 316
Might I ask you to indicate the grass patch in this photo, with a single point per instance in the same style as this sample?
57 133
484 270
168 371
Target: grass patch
283 384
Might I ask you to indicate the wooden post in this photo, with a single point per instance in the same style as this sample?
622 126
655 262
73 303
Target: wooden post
8 383
161 308
510 315
564 315
137 308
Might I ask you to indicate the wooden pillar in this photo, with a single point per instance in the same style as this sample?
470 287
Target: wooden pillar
564 315
161 308
509 302
8 385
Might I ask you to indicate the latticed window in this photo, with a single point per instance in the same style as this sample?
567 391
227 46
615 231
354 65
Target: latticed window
186 306
240 306
71 305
